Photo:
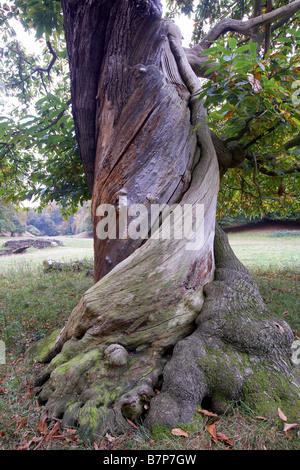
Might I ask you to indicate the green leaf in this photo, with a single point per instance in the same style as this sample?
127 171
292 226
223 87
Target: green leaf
211 69
242 49
232 42
253 48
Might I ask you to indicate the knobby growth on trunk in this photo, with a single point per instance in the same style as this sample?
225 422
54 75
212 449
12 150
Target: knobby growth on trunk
160 315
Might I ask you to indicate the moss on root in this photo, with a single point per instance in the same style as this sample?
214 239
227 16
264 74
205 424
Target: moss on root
108 371
39 351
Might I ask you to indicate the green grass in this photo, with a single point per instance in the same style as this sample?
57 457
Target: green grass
34 303
274 262
263 250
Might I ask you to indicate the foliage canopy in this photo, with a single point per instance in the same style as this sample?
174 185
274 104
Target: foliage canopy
251 90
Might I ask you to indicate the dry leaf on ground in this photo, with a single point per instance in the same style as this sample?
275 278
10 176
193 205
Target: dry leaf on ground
224 438
207 413
54 433
109 437
179 432
281 415
30 443
131 423
42 427
71 431
211 428
21 424
287 427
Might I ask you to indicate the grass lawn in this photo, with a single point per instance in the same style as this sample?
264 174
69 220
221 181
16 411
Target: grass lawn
273 258
34 303
73 248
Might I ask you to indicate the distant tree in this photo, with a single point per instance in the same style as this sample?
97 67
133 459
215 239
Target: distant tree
11 220
43 222
33 230
68 226
83 219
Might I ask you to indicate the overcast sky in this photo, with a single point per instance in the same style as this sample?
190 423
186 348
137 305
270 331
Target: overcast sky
185 24
28 39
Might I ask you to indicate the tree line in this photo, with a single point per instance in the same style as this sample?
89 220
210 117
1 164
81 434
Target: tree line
49 221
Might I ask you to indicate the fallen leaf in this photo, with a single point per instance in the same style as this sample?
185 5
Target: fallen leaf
261 417
35 440
21 424
224 438
131 423
287 428
211 428
54 433
109 437
280 327
42 426
72 440
207 413
71 431
281 415
32 441
179 432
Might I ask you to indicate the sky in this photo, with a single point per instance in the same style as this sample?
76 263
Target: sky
27 38
185 24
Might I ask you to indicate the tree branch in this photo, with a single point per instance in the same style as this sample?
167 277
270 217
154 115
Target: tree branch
292 143
228 155
267 172
281 22
199 63
58 117
39 70
270 7
260 136
248 28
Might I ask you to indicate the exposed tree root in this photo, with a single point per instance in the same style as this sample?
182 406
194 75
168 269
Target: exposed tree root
237 352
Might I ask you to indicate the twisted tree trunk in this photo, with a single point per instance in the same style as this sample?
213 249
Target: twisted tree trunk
150 143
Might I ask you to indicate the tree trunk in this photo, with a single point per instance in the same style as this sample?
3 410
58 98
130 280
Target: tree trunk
153 294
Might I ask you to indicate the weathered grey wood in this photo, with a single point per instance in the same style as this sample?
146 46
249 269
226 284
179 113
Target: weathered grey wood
151 295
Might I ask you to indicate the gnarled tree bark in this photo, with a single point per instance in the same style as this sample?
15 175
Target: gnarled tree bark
151 144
